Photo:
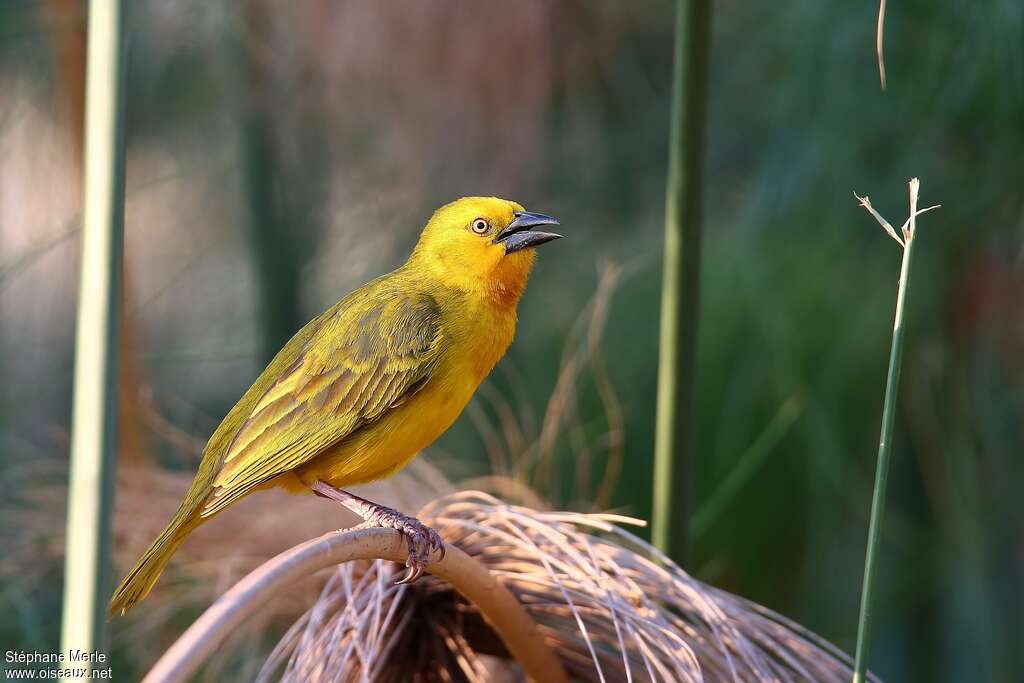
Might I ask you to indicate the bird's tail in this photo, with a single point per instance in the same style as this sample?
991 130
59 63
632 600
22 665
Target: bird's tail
140 580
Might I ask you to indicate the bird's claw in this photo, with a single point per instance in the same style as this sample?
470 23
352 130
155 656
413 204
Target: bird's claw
420 539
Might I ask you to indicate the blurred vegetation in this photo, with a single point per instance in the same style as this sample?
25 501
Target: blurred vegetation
280 155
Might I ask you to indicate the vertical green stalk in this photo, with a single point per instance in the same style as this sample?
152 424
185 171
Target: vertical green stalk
885 441
94 411
681 279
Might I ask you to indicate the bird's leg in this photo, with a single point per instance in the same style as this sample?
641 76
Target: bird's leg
420 538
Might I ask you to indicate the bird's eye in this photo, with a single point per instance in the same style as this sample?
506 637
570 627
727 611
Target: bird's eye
480 226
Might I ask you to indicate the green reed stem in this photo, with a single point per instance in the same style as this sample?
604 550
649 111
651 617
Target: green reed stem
94 410
866 617
681 279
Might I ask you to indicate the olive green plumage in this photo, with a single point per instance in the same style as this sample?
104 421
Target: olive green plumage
359 390
377 348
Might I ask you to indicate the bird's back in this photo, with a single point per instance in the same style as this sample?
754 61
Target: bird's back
368 353
335 376
139 581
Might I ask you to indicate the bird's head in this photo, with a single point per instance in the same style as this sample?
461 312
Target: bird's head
483 245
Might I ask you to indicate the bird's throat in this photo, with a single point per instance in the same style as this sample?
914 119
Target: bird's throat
509 277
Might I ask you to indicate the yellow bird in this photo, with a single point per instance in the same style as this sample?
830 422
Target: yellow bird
362 388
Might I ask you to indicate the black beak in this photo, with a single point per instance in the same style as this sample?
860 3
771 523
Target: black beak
518 234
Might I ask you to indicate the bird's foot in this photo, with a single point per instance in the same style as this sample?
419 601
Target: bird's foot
419 537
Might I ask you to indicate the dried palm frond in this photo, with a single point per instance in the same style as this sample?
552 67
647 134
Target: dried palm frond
216 556
610 605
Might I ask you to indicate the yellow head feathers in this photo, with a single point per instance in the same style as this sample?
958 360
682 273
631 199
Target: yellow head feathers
482 245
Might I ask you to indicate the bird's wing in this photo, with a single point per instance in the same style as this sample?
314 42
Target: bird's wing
367 358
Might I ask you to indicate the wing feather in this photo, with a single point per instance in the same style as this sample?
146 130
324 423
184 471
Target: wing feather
362 362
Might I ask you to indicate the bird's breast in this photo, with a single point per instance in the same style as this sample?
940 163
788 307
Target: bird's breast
473 344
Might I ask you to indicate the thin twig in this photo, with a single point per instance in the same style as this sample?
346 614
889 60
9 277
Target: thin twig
878 42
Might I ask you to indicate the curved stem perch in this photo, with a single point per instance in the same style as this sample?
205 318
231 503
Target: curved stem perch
476 584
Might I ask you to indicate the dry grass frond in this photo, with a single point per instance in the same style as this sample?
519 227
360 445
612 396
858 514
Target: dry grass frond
611 606
218 553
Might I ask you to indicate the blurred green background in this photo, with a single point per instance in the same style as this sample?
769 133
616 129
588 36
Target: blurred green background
279 154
